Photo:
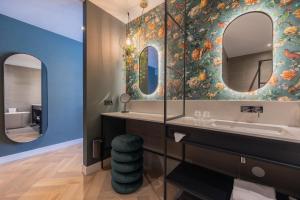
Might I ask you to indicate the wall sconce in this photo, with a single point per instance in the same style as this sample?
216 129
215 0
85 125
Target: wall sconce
128 40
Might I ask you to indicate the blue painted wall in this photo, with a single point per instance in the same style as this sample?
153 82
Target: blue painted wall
63 59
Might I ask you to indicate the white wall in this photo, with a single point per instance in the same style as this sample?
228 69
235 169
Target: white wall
280 113
64 17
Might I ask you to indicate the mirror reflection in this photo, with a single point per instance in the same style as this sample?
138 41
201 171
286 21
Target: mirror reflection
23 97
148 70
248 52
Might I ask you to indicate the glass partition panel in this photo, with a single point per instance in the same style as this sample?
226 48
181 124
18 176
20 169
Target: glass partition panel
175 70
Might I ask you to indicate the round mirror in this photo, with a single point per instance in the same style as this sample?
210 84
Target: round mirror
248 52
23 98
148 70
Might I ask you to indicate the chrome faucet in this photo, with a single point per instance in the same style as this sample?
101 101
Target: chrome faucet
252 109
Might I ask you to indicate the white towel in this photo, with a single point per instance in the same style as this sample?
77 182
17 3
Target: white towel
244 190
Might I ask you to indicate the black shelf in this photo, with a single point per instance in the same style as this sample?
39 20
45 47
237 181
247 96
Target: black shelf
201 182
187 196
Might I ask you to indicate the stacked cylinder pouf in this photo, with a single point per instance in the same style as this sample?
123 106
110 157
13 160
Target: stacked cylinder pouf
127 163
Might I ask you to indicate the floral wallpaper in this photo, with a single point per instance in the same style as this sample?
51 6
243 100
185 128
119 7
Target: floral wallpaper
147 30
206 22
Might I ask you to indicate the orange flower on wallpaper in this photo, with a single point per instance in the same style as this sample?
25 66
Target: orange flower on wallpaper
202 76
235 4
285 2
283 99
161 32
297 13
197 54
140 33
221 24
289 74
217 61
251 2
151 26
160 91
291 30
178 18
211 95
219 41
220 86
273 80
208 45
203 4
136 68
221 6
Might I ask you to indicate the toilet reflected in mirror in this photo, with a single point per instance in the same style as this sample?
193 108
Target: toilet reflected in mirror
23 98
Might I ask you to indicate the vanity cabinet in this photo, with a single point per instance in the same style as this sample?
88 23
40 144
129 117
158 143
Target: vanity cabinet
224 155
264 161
286 179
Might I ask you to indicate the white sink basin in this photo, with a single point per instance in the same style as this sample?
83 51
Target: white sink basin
258 129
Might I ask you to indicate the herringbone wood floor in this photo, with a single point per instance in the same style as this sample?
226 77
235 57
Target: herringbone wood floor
57 176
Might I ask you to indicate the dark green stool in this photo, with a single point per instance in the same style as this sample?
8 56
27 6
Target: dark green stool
127 167
127 177
128 187
127 143
127 157
127 163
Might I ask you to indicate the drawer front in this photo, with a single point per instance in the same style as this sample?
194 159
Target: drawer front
284 179
218 161
275 150
151 132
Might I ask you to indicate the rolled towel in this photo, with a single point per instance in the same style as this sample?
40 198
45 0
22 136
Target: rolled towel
244 190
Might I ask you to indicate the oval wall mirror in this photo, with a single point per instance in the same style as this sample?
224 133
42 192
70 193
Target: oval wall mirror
148 70
248 52
23 78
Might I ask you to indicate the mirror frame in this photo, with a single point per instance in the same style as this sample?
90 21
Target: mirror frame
157 70
273 66
44 97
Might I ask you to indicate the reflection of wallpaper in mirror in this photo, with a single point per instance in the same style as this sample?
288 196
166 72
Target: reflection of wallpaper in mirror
206 24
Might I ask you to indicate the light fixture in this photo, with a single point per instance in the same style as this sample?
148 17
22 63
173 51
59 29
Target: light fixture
128 40
269 45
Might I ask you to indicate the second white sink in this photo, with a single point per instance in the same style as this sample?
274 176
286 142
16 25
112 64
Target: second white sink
260 129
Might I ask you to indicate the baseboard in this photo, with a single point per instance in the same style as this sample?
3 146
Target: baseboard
34 152
87 170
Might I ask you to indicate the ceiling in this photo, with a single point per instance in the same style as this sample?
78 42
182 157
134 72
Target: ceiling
120 8
248 34
63 17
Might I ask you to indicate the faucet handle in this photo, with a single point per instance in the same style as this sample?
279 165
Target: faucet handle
252 109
